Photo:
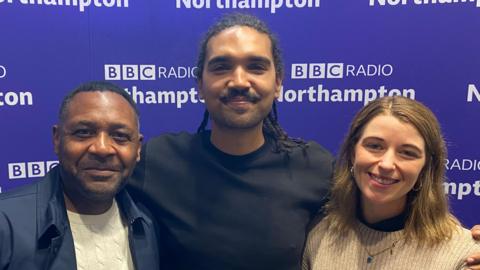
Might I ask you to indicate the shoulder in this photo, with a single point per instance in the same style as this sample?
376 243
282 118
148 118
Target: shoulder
454 251
169 144
318 231
309 150
317 240
18 197
171 139
314 157
463 237
168 147
18 210
458 247
316 150
27 198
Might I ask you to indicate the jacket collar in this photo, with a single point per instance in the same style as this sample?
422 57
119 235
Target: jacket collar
130 210
52 214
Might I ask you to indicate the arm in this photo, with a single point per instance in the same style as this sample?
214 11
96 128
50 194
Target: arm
5 242
473 261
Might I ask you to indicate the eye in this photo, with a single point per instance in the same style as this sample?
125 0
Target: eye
83 133
258 68
121 137
219 67
373 146
411 154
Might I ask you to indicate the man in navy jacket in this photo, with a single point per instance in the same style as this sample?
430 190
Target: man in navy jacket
79 215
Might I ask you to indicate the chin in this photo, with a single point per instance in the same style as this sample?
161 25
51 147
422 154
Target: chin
100 195
103 192
378 199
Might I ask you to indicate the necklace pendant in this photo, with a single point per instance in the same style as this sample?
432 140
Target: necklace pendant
369 259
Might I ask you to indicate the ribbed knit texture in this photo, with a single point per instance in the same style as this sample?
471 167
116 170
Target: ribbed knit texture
101 241
325 250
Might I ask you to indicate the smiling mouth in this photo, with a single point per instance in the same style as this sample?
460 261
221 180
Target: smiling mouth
101 172
238 104
383 180
237 100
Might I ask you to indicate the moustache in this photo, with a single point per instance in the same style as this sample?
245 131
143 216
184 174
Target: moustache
234 93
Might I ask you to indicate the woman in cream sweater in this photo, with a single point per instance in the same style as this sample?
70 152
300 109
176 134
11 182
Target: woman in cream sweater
388 209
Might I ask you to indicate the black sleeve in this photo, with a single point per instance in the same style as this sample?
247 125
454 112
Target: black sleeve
136 182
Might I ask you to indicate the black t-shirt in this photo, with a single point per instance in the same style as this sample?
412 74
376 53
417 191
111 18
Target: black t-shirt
218 211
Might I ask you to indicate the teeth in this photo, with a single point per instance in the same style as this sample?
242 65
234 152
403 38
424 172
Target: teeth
382 180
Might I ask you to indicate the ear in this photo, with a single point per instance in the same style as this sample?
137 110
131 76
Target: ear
139 150
278 87
56 138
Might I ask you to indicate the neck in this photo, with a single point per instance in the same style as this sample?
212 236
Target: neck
237 141
375 212
86 207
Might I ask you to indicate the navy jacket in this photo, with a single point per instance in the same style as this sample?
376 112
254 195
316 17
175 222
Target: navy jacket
35 232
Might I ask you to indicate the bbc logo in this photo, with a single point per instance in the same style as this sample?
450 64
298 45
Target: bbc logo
130 72
317 71
22 170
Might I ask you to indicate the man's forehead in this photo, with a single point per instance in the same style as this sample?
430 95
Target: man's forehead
239 41
99 106
97 100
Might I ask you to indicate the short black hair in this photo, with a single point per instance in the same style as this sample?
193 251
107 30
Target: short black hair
95 86
239 19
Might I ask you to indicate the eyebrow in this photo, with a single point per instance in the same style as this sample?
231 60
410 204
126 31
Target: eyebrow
260 59
403 145
114 126
223 59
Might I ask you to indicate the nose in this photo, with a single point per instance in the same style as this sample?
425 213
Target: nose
102 145
239 79
387 161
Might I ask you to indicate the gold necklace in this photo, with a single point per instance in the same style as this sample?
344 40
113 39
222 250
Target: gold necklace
371 256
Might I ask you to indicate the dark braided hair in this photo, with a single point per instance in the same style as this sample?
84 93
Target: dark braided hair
271 127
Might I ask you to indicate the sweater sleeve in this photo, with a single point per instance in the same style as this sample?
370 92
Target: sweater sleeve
312 245
469 247
306 256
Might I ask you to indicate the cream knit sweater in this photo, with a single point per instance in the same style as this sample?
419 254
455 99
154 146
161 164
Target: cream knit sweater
326 250
101 241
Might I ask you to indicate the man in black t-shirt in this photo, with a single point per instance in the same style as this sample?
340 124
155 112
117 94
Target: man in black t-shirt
238 196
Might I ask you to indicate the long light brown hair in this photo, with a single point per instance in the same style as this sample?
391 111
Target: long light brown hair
428 218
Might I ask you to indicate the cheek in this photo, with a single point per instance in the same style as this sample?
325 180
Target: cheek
358 177
361 165
416 170
70 152
128 156
268 88
361 160
211 86
413 177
